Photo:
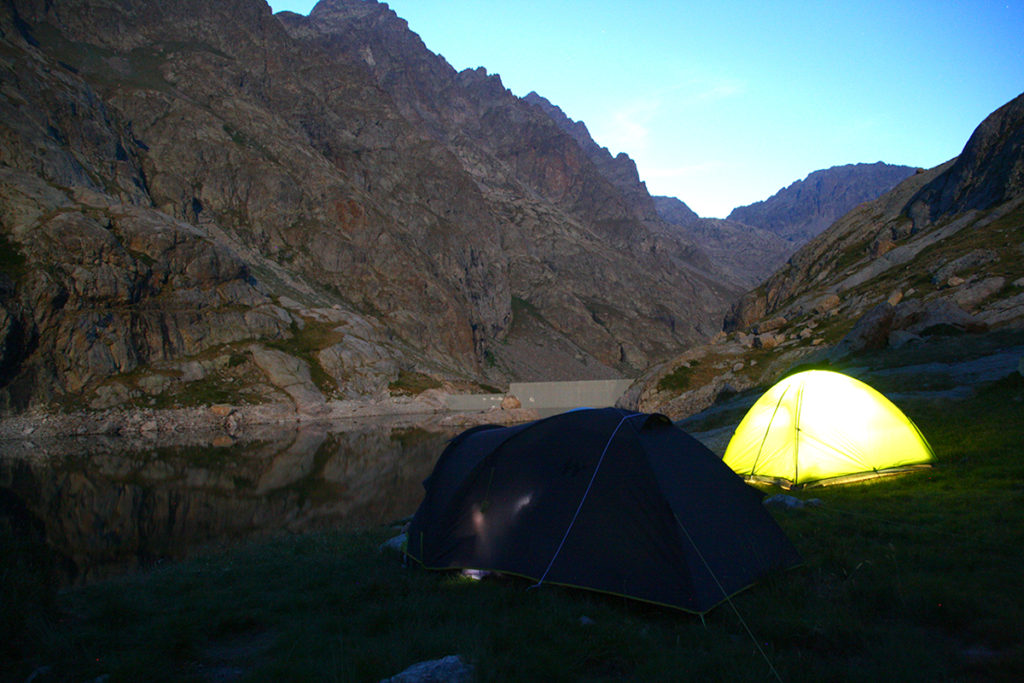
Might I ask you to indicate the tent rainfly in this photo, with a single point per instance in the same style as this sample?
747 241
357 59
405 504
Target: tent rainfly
818 427
602 499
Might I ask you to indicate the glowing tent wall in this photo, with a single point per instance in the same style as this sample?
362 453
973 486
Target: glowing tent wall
820 426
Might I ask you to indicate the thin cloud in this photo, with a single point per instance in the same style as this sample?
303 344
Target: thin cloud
629 128
720 91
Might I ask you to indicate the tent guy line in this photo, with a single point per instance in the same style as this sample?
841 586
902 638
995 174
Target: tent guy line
584 498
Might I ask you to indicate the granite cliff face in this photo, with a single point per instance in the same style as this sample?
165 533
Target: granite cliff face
180 181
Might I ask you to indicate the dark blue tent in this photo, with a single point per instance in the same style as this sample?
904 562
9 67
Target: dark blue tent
608 500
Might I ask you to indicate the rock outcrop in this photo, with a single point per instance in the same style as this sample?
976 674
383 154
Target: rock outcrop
989 171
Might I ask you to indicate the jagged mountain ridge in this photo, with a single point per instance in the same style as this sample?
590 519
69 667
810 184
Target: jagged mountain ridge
805 208
747 253
755 240
986 177
934 264
209 175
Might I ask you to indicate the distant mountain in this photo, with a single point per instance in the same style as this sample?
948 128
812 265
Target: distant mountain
675 211
805 208
746 253
756 239
938 261
898 235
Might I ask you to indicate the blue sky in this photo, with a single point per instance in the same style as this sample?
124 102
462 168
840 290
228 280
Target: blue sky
723 103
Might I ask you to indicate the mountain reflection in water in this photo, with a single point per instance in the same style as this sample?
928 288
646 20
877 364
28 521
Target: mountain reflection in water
103 505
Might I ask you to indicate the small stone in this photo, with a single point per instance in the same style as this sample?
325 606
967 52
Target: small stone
511 403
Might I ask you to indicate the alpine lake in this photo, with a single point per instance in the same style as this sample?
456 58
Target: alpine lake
99 506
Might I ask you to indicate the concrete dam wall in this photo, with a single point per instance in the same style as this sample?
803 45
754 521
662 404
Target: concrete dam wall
549 395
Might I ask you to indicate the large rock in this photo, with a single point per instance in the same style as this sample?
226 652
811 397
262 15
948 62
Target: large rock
876 328
292 376
361 368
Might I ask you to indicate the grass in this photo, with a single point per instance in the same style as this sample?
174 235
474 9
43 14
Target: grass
12 261
912 578
412 383
306 342
679 379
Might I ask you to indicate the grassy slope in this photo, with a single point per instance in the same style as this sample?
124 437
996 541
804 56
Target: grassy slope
911 578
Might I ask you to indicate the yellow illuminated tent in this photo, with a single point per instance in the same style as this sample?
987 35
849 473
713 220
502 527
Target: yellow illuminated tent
824 427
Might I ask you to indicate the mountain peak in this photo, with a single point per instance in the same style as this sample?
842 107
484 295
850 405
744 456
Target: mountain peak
806 207
988 170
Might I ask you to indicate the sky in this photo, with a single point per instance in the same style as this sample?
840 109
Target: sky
723 103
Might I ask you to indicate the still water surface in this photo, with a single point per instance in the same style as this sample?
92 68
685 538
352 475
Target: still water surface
105 505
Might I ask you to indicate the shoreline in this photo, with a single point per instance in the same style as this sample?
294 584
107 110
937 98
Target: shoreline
234 421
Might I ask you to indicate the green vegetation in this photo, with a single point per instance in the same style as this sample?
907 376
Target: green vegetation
679 379
410 383
305 343
12 261
911 578
522 312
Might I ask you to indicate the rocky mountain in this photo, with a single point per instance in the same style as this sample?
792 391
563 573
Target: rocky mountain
757 239
619 170
676 212
744 254
747 254
931 269
804 209
205 200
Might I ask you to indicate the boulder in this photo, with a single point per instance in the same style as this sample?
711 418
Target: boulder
291 375
973 294
511 403
871 331
768 340
826 304
769 325
928 317
874 330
